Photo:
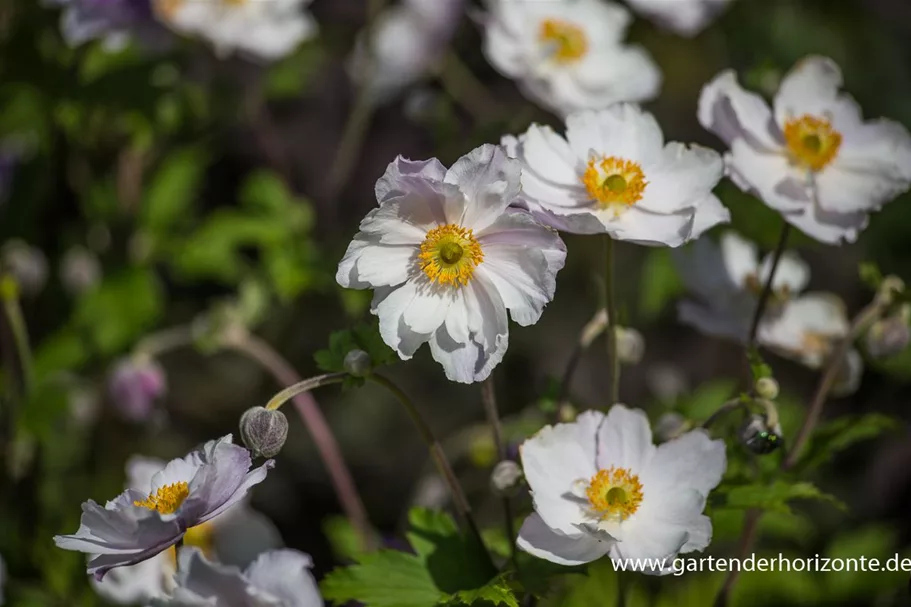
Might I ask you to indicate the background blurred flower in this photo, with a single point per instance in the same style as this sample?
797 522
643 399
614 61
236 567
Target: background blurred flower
280 577
80 270
568 56
600 486
113 21
814 159
137 526
405 44
27 264
134 385
614 174
727 279
266 30
447 260
685 17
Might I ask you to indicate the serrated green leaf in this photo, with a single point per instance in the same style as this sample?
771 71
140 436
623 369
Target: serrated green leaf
172 190
495 592
839 434
342 538
387 578
775 496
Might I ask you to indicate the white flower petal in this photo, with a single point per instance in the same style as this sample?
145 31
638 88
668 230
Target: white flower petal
811 315
725 321
390 307
370 265
684 17
283 575
740 257
682 177
490 182
536 538
625 440
429 307
792 274
828 227
650 229
692 461
623 130
810 88
390 185
770 177
846 191
733 114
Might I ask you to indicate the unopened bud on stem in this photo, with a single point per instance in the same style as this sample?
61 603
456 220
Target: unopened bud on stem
630 345
358 363
767 387
890 335
263 431
505 478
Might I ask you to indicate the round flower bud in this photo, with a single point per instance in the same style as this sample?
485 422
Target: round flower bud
758 437
505 478
264 431
630 345
358 363
27 264
134 385
888 336
670 426
567 413
767 388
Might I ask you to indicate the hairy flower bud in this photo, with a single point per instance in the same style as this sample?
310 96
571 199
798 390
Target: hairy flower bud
505 478
134 385
890 335
358 363
758 437
630 345
264 431
767 387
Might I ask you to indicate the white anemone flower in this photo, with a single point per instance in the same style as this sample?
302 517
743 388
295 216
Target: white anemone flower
568 56
280 578
613 173
813 158
808 331
139 583
685 17
189 491
264 29
447 258
727 279
601 487
406 44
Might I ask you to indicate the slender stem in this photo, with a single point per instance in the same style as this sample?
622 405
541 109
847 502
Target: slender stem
611 320
466 89
436 453
489 398
590 332
9 291
747 539
158 343
829 377
621 589
313 419
767 287
349 147
724 409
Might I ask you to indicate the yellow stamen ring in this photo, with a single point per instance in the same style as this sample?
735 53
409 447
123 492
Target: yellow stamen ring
812 142
614 493
614 181
449 255
167 499
568 41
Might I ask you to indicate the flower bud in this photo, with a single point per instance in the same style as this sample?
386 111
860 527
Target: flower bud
890 286
27 264
566 413
666 382
358 363
505 479
767 388
890 335
134 385
849 375
630 345
758 437
670 426
264 431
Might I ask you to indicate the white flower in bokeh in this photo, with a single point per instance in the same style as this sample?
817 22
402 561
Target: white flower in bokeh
265 29
808 330
727 279
404 45
447 258
190 491
600 486
115 22
568 56
613 173
685 17
239 534
280 578
813 159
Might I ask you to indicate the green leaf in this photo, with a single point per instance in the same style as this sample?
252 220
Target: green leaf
172 191
342 538
839 434
706 399
660 283
447 568
758 365
872 542
775 496
870 275
289 77
364 337
597 587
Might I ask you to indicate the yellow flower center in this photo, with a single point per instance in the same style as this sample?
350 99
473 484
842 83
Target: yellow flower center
614 493
816 343
167 499
202 537
449 255
614 181
812 142
567 41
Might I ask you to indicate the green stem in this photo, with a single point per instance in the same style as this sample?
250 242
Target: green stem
436 453
767 287
489 398
303 387
164 341
9 291
590 332
610 298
